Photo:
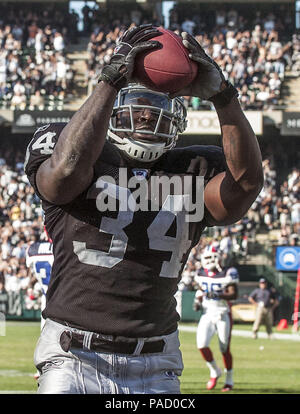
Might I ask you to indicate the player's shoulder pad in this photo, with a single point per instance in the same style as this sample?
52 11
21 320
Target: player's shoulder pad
42 145
204 160
112 154
233 274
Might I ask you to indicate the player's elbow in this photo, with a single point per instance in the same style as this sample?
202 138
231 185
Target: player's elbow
255 185
250 181
59 184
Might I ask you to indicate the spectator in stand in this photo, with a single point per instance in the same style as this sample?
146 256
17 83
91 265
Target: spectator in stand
32 32
226 246
45 33
18 101
269 22
188 26
37 101
58 42
3 296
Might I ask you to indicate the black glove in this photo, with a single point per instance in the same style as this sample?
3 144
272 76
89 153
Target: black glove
210 83
212 295
119 70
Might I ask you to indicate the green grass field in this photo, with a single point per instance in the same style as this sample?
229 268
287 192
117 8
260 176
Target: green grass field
261 366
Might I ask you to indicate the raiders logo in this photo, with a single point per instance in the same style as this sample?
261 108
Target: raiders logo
117 48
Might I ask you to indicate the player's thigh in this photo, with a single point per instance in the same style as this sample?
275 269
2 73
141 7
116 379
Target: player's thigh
205 331
59 370
156 373
58 376
224 326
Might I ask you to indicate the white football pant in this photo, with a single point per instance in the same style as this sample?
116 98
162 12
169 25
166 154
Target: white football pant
214 323
82 371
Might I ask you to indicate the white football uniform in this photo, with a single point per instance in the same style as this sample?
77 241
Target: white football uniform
40 258
216 317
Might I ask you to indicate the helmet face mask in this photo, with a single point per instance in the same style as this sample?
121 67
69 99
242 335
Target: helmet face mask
144 123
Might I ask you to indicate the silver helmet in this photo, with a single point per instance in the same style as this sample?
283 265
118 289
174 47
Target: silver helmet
132 132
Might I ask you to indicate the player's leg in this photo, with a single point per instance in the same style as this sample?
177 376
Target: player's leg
43 305
205 331
60 371
156 373
82 371
224 328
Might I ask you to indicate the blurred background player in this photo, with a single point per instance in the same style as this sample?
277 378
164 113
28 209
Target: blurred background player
217 286
39 258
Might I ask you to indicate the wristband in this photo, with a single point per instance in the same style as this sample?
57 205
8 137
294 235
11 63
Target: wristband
224 97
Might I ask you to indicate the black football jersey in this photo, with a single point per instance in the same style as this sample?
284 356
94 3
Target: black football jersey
116 271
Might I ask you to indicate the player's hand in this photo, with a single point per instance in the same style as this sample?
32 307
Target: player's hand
213 295
196 305
210 79
118 71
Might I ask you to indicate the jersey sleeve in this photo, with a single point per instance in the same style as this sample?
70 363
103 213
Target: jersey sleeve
40 149
232 276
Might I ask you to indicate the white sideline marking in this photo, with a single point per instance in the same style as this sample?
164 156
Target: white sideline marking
248 334
15 373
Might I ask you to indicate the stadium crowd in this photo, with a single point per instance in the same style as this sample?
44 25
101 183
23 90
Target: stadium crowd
253 54
34 70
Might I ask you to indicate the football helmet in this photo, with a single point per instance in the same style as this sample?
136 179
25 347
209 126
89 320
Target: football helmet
145 123
210 257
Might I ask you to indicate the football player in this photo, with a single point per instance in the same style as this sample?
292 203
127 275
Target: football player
111 320
217 287
39 258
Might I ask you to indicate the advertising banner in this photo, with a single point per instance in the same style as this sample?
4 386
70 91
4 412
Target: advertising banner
207 123
287 258
26 122
290 123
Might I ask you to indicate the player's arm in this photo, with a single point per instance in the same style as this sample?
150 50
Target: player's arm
228 195
230 292
69 170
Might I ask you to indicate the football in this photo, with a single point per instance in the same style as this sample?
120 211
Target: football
168 69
